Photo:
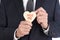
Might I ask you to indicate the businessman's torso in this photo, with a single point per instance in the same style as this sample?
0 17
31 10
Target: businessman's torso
14 14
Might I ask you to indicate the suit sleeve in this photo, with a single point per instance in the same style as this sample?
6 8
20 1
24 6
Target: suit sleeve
6 33
53 18
54 29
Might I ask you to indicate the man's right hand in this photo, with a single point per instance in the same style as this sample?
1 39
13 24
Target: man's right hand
23 29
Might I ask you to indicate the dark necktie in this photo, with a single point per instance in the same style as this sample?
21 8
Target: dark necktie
29 6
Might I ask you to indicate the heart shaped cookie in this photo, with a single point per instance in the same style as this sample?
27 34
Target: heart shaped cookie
29 16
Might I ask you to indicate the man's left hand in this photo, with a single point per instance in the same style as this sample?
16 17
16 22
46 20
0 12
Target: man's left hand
42 17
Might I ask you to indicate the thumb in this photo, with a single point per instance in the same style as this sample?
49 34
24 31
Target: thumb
40 9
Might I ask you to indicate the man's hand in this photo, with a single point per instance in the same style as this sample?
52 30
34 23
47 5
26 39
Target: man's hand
23 28
42 17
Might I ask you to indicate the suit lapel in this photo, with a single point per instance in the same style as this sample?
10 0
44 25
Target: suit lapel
39 3
19 4
49 6
20 8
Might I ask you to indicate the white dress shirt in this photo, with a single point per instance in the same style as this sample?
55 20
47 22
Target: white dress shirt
25 4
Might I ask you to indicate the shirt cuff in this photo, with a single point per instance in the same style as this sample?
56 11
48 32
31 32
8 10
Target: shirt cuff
58 38
46 31
15 36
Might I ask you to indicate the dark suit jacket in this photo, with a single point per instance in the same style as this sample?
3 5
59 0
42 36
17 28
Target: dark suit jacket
11 13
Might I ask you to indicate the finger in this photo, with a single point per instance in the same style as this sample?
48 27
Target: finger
37 10
40 20
42 13
26 23
26 27
26 30
40 9
39 14
26 33
23 30
43 18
